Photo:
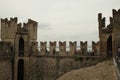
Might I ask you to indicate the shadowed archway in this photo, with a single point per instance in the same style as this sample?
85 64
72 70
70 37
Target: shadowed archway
20 73
109 46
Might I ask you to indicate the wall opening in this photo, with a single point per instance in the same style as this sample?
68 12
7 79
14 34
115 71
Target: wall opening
20 70
21 47
109 46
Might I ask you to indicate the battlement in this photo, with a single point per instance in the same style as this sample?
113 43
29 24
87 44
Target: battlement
13 19
4 20
29 27
83 46
33 48
101 20
114 21
96 47
53 48
43 48
21 29
8 21
95 43
102 27
73 46
62 43
30 21
116 12
9 28
62 48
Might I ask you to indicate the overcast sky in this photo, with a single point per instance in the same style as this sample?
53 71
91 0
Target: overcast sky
61 20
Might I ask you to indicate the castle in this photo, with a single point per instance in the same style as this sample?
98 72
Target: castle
18 46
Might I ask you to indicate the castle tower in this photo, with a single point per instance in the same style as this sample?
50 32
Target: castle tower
105 35
23 41
8 30
25 38
109 35
116 30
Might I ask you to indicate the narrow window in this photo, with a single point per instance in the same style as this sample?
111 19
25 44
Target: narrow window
21 47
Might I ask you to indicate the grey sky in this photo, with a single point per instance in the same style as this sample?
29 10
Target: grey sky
66 20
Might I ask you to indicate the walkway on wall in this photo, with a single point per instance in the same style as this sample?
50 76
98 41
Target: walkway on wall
68 56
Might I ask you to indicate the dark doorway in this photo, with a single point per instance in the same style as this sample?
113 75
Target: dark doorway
20 70
109 46
21 47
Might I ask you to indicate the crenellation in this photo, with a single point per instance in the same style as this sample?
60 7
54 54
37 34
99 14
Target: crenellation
52 48
34 50
115 12
83 46
73 46
13 19
25 24
95 48
4 20
72 43
62 48
62 43
99 17
30 21
107 30
43 48
111 20
101 20
101 23
116 16
32 29
110 26
19 27
52 43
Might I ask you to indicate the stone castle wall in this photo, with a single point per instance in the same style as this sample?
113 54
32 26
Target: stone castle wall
47 68
52 68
